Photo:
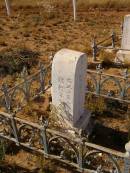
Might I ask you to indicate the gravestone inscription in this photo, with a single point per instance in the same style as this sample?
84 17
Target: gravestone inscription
68 83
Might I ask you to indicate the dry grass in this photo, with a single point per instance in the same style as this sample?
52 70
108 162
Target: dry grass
107 58
97 105
116 4
104 3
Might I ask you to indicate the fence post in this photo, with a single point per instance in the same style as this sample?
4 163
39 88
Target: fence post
2 150
6 97
26 85
44 137
99 73
94 47
127 158
42 73
74 9
123 92
113 39
8 8
81 145
80 161
15 130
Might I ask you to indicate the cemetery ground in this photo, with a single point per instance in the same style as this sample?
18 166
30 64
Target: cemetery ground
39 33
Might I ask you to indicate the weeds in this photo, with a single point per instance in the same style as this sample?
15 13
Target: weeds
2 149
107 58
14 58
97 105
107 4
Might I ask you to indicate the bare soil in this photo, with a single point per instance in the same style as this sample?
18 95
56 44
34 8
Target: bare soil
46 33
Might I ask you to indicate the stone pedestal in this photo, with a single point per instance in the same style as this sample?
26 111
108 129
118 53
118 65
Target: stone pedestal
123 56
69 85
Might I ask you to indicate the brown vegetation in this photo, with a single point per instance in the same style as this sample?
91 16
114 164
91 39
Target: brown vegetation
107 4
46 32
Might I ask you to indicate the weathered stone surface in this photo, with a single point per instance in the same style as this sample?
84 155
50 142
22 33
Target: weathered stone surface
127 147
123 56
68 83
125 44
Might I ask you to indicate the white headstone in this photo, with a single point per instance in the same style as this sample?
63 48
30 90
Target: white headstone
125 44
123 56
68 83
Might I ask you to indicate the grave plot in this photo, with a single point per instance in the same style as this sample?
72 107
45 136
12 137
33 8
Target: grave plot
30 100
38 136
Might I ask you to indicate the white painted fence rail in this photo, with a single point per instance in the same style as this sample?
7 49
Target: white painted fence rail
74 9
8 7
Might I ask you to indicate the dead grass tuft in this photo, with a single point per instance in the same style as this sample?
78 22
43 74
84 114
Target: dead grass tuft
107 4
107 58
12 59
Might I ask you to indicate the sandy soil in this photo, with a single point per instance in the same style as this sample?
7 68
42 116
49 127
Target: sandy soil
47 33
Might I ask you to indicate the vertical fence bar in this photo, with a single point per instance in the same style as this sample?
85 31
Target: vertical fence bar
81 146
99 73
6 97
42 73
123 92
44 139
15 130
8 8
2 149
113 39
74 9
80 161
26 85
94 47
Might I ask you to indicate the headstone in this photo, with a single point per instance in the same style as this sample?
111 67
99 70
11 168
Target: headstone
124 55
125 44
68 84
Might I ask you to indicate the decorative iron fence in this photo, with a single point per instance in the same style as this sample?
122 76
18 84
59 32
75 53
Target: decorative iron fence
109 43
14 98
67 148
109 86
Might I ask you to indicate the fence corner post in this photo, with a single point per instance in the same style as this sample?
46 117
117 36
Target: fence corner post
26 84
7 99
81 146
15 130
8 7
113 36
94 47
44 138
42 73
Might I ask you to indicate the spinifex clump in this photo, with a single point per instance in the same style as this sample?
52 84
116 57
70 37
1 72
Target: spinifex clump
13 59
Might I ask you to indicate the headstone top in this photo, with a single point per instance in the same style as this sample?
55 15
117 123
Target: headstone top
127 147
68 55
128 15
